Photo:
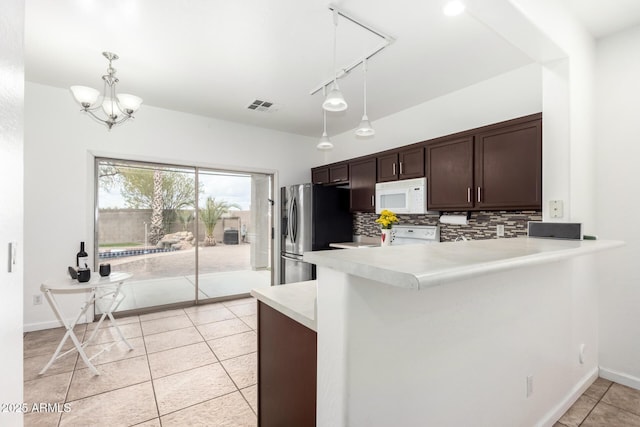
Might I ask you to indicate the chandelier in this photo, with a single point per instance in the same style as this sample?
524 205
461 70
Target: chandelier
112 108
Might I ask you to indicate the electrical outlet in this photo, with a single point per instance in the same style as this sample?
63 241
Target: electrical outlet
529 385
556 209
500 230
581 354
37 299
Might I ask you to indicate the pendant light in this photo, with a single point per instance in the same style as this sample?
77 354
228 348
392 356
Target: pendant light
365 128
325 143
334 100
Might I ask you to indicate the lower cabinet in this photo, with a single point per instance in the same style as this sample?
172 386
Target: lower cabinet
286 370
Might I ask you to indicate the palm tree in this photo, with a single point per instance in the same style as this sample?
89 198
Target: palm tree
157 223
210 215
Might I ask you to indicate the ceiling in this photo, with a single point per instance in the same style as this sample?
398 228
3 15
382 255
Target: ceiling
213 57
605 17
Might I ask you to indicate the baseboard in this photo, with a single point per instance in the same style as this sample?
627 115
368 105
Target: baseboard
620 378
50 324
559 410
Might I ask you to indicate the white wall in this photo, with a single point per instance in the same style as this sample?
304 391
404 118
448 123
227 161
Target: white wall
457 354
618 181
11 198
568 98
59 186
507 96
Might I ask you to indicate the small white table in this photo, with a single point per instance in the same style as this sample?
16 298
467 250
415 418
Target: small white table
107 289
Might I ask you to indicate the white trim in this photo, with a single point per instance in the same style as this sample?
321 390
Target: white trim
556 413
50 324
620 378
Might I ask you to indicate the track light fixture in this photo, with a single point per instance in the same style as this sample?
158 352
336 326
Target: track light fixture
365 128
335 100
324 143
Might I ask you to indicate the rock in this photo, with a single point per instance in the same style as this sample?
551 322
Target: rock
180 240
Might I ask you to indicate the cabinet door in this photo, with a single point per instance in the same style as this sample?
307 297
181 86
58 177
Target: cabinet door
287 370
450 174
388 167
320 175
411 163
363 185
339 173
508 167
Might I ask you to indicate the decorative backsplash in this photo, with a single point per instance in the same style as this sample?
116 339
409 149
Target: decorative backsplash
482 224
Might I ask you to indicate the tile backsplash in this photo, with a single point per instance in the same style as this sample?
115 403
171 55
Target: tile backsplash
482 224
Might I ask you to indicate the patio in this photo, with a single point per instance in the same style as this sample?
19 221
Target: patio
168 278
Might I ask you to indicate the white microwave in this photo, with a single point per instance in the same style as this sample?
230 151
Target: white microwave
407 196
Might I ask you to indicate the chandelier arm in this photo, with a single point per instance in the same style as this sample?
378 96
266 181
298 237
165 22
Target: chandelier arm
96 118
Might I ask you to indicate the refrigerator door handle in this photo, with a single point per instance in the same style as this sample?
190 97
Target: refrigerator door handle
285 226
297 258
294 220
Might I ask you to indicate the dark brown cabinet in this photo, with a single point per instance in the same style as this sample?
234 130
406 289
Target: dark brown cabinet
402 164
362 181
339 173
508 167
320 175
450 174
332 174
499 167
287 366
495 167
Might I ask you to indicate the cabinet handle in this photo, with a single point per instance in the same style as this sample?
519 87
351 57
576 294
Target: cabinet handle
336 180
468 194
373 201
394 169
478 194
400 168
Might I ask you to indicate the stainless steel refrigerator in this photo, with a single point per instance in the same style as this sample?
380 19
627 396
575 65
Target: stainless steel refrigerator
312 217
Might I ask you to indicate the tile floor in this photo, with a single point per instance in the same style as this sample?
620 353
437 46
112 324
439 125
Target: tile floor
604 404
192 366
197 366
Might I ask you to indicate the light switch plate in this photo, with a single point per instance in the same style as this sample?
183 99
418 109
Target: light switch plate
13 251
556 209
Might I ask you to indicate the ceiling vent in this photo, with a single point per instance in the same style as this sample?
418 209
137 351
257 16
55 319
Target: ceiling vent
265 106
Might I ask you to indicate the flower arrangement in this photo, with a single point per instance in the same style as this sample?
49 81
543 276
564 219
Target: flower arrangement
387 219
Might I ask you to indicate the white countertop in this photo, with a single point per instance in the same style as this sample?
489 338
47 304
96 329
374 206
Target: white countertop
294 300
423 266
353 245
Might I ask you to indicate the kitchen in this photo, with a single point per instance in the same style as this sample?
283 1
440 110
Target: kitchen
593 196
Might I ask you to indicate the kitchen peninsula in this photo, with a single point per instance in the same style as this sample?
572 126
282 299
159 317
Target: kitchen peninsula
489 332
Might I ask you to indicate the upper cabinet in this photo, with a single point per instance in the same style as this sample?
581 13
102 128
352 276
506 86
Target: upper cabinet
450 178
508 167
499 167
495 167
362 175
332 174
402 164
320 175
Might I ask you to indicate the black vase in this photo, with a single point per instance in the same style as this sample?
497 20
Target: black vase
105 270
84 274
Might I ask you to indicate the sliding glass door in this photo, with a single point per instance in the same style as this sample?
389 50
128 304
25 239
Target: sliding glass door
235 215
187 235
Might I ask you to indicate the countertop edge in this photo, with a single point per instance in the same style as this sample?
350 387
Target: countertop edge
294 300
388 275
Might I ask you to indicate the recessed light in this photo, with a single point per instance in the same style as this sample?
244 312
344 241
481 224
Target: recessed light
453 8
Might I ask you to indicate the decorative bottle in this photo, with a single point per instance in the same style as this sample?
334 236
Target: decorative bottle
82 258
